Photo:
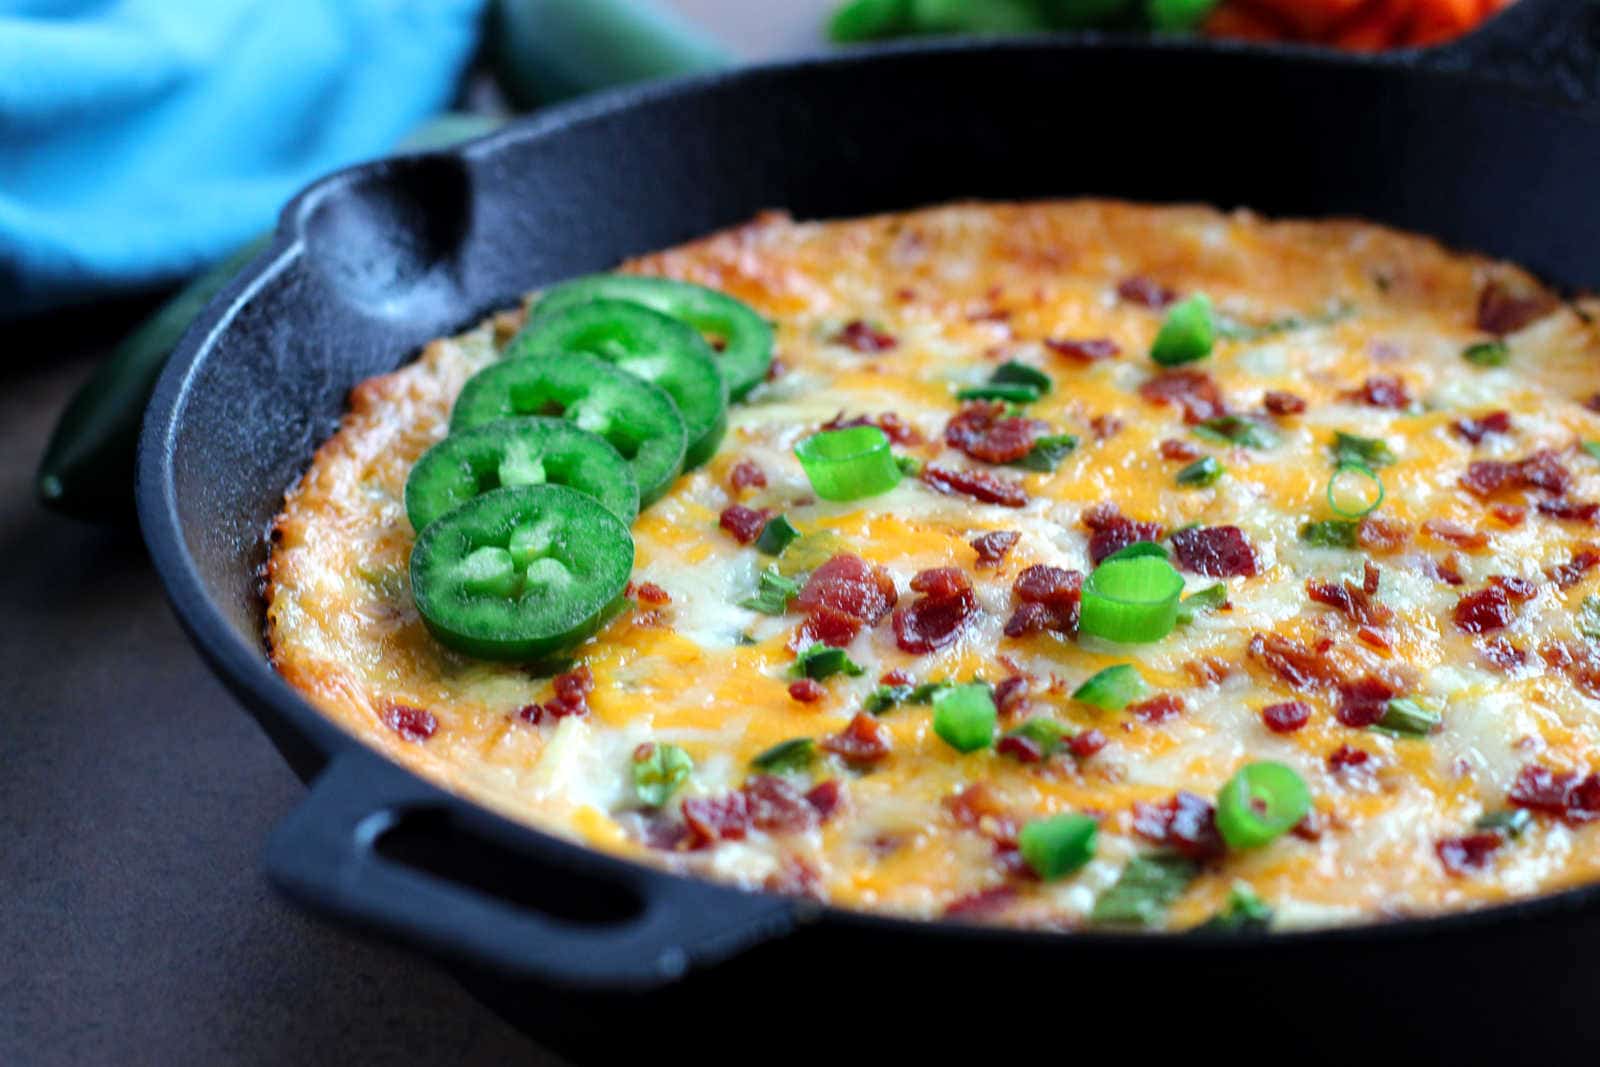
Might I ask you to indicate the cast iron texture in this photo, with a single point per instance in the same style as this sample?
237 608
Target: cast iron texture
598 955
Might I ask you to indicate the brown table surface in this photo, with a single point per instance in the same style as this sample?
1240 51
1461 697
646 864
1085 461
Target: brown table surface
135 796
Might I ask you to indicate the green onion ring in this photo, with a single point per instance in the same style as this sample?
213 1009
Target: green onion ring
1261 803
849 464
1360 470
1132 600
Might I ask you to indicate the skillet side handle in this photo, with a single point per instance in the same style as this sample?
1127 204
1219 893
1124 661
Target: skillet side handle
483 891
1547 46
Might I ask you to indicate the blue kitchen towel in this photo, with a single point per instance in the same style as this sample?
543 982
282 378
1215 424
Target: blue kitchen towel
141 140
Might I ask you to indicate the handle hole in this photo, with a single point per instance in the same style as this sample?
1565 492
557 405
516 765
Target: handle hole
436 843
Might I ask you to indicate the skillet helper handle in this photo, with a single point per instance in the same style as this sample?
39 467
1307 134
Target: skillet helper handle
1547 46
495 895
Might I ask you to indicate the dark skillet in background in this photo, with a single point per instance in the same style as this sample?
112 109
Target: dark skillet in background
597 956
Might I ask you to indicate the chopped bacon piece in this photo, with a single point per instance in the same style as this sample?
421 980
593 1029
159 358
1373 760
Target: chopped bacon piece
1579 660
1463 855
826 626
1500 311
863 337
1381 391
747 475
411 723
1364 701
1508 514
1215 551
1032 619
1447 570
981 904
651 593
1475 430
1566 575
1562 793
1193 390
984 431
1021 748
1087 743
1501 654
776 806
1104 426
941 582
1570 510
1086 350
1010 694
1287 717
1490 608
1346 758
806 690
717 818
1593 403
1456 534
1179 451
1357 602
993 546
895 677
1048 599
848 584
1143 291
976 808
573 687
1541 470
980 485
1280 403
894 427
794 877
864 740
744 524
1159 708
937 617
1378 534
1302 666
1111 531
825 798
1185 822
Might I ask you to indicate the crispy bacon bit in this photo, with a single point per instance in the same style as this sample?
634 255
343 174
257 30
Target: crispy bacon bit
1157 709
893 426
895 677
1208 670
1464 855
717 818
1455 534
747 475
1111 531
826 626
574 686
1048 599
1490 608
1179 451
1541 470
1147 293
1085 350
411 723
983 431
776 806
1593 403
1381 391
848 584
1011 694
1300 665
993 546
742 523
1508 514
1570 510
1447 570
1364 701
941 582
1500 311
863 337
1379 534
1087 743
1215 551
1020 748
1346 758
1192 389
937 617
1475 430
1566 575
1185 822
825 798
1280 403
806 690
981 904
1561 793
980 485
1357 602
1287 717
1578 660
1501 654
1104 426
651 593
794 877
863 741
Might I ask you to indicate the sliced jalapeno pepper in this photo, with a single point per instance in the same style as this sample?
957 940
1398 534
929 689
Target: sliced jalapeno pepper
531 451
745 337
638 419
520 572
642 342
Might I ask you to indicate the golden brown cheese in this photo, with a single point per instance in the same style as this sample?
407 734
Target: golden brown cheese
959 289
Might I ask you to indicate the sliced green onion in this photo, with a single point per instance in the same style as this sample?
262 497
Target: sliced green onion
1234 330
821 661
1113 688
924 693
1048 452
849 464
1408 718
1021 374
1046 735
910 466
1487 354
1236 430
1244 910
773 595
1058 845
1510 822
1144 890
1010 392
1137 550
1330 533
776 535
1261 803
1201 473
885 697
1187 334
1369 452
658 771
964 716
1589 618
1207 599
1354 491
1131 601
1592 447
791 755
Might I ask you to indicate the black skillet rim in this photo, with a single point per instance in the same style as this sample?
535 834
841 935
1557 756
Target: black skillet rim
248 672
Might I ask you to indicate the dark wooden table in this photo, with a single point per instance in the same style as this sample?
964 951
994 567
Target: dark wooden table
135 925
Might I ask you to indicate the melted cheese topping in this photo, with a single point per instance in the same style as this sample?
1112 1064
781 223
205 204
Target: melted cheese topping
960 288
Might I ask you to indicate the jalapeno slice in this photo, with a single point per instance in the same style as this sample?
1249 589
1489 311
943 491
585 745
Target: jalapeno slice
645 343
745 337
638 419
520 572
531 451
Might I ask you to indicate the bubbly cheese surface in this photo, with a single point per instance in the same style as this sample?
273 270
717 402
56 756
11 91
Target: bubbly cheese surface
1319 309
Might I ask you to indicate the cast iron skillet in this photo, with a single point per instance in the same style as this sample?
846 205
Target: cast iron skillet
598 955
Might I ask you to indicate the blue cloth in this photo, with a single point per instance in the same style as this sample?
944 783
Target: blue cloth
141 140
